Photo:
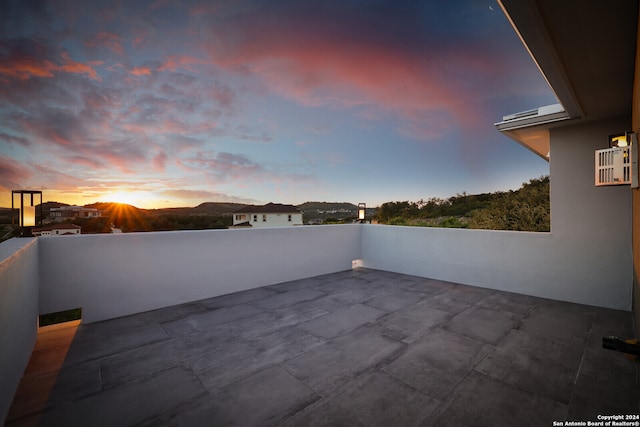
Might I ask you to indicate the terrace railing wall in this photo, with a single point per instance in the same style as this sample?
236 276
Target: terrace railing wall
538 264
115 275
19 284
110 276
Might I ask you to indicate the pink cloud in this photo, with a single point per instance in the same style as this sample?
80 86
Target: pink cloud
141 71
392 82
318 63
202 195
240 169
176 62
54 178
81 141
85 161
126 155
223 165
159 161
17 140
111 41
140 36
13 174
157 127
20 65
23 68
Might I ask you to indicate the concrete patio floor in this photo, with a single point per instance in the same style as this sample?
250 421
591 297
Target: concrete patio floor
360 347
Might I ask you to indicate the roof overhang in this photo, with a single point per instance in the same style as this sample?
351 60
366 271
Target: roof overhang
531 128
586 53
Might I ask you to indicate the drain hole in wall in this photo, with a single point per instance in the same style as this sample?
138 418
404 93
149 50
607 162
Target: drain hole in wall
60 317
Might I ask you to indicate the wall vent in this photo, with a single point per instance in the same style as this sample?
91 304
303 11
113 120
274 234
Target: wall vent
613 166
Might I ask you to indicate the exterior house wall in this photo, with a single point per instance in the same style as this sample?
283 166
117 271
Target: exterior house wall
636 256
578 207
585 259
635 193
57 232
65 231
272 219
594 223
19 281
119 274
70 212
240 218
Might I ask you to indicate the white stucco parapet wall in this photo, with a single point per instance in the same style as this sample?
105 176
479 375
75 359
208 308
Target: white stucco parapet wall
536 264
19 305
587 257
120 274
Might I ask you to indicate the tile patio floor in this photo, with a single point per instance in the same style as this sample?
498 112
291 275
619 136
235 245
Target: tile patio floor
360 347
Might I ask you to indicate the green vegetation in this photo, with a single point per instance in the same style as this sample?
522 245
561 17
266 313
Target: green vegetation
526 209
8 231
131 219
328 212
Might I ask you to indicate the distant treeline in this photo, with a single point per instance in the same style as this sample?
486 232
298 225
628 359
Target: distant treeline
525 209
131 219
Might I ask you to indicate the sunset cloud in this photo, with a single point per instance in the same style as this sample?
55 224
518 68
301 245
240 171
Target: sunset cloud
260 101
11 139
198 196
181 62
24 59
328 59
224 166
111 41
141 71
159 161
12 174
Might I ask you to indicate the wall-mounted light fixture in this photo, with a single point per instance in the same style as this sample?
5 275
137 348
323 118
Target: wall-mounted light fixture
618 164
27 213
620 140
362 212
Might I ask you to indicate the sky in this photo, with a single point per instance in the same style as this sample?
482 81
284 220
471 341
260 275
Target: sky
166 103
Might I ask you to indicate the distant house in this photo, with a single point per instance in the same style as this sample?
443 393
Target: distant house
57 230
70 212
269 215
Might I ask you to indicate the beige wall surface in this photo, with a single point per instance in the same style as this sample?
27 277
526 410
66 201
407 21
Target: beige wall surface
635 120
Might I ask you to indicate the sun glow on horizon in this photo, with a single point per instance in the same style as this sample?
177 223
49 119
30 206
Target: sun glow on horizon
138 199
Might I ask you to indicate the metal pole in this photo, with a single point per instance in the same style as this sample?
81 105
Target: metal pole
22 211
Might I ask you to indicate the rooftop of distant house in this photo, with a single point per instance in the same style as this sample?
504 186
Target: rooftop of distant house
73 208
62 226
269 208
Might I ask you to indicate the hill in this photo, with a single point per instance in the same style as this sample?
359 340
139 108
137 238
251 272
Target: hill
207 208
328 212
328 206
204 216
130 218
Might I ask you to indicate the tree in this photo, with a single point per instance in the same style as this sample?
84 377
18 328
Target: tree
526 209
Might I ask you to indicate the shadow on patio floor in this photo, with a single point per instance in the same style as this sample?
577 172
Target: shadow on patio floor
360 347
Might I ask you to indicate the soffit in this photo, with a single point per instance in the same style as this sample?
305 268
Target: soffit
585 50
